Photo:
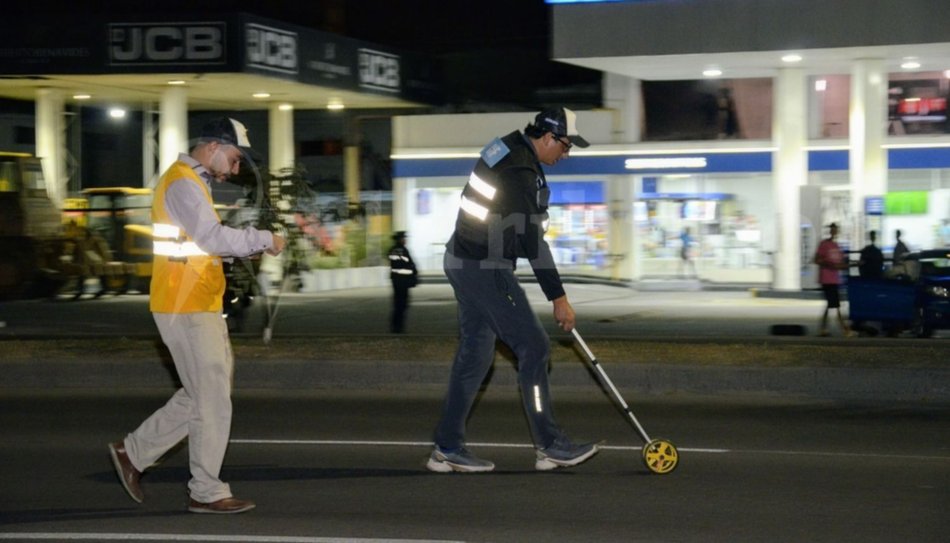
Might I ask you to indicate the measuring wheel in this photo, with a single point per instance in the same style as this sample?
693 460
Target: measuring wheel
660 456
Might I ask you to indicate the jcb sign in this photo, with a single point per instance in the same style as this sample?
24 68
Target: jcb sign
167 43
379 70
271 49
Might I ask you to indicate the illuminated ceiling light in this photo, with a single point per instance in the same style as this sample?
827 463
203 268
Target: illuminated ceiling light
664 163
285 107
117 113
335 105
261 95
712 72
821 85
82 96
790 58
910 63
177 82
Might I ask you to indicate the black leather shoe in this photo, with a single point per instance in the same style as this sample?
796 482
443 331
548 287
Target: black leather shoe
226 506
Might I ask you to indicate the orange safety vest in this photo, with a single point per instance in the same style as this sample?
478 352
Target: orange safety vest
185 279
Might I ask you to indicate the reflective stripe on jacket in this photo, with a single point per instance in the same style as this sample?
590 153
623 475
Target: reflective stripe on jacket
402 270
503 212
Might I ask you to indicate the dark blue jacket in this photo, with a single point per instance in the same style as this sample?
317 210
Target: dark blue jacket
503 211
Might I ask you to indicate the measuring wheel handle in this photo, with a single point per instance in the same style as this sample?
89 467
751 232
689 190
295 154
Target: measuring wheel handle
660 456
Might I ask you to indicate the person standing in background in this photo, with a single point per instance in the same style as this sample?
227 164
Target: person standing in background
404 276
687 266
186 302
900 250
871 261
830 262
726 119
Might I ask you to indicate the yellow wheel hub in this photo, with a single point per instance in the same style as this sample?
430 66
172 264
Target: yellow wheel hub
660 456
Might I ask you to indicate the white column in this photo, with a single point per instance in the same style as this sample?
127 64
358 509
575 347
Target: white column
51 142
351 173
816 108
623 95
621 230
403 191
789 171
280 148
172 126
867 121
150 173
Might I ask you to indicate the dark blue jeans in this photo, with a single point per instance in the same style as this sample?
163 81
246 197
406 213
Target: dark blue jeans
492 304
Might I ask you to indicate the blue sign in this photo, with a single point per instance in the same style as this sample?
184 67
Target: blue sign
681 163
650 184
874 205
577 192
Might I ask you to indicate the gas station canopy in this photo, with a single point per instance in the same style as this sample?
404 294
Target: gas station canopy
232 62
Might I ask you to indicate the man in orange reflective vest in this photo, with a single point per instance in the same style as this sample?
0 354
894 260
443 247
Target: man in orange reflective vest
185 300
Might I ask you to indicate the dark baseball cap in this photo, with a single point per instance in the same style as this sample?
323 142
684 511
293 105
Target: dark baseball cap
230 132
561 122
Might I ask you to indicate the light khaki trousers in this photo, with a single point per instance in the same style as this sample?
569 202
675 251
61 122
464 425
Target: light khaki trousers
200 410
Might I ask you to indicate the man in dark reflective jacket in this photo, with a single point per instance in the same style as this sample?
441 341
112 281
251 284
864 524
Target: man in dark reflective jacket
404 276
502 217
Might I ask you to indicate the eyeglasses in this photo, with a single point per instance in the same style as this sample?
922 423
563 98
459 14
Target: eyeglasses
567 144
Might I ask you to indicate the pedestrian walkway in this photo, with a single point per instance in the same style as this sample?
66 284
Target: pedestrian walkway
602 309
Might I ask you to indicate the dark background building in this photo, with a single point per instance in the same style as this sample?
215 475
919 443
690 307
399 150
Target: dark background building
494 53
493 56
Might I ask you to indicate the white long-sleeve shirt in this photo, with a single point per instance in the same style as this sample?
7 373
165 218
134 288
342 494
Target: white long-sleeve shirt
189 209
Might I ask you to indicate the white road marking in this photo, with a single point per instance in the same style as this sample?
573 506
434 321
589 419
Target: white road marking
844 454
77 536
357 443
702 450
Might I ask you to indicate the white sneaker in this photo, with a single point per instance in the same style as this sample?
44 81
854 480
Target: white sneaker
461 460
564 454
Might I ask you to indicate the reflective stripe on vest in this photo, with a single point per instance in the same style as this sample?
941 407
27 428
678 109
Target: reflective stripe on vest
184 278
169 241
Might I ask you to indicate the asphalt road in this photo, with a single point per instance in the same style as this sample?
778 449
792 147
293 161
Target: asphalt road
348 466
345 464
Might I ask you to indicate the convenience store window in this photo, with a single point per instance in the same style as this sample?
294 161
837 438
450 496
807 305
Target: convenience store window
723 222
578 225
